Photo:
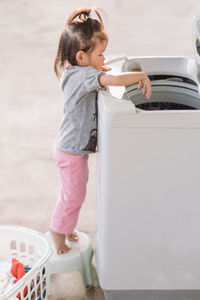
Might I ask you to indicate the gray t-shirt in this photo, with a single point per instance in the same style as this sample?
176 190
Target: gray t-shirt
78 130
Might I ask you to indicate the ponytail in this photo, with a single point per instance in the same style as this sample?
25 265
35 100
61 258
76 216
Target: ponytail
83 14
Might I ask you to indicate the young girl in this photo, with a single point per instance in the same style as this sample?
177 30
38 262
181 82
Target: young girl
80 64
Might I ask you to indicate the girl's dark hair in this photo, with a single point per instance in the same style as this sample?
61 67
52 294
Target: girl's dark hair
80 33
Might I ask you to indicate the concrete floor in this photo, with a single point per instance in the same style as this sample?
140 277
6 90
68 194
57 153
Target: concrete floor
31 101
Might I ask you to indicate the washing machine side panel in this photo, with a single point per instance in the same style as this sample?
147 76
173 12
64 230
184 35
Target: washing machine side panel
102 202
148 208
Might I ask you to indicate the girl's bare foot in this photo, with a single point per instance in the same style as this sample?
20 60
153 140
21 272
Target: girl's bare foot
73 237
59 242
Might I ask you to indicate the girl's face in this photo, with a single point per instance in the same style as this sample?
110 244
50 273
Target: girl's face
96 57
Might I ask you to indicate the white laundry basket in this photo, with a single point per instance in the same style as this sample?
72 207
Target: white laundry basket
20 242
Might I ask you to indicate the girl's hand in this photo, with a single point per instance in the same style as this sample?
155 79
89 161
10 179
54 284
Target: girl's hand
105 69
146 85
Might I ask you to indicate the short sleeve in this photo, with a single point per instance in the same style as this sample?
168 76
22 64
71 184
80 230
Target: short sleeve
91 81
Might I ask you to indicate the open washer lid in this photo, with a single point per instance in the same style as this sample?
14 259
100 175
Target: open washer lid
196 41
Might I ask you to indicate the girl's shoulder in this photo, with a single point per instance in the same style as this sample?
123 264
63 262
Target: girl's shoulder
75 74
78 71
75 69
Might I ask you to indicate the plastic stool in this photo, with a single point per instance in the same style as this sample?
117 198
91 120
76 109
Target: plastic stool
77 259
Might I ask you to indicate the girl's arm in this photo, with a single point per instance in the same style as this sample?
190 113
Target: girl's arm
128 79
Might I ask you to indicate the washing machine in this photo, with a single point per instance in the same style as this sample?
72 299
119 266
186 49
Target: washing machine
148 215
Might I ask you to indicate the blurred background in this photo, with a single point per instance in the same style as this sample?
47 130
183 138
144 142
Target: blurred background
31 102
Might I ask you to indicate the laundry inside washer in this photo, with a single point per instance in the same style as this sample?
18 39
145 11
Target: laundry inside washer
169 92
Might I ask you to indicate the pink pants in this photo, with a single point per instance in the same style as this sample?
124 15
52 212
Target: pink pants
74 177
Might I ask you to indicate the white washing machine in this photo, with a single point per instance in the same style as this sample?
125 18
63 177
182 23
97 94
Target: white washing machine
148 227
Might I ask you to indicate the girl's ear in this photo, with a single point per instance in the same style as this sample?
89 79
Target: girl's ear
81 58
